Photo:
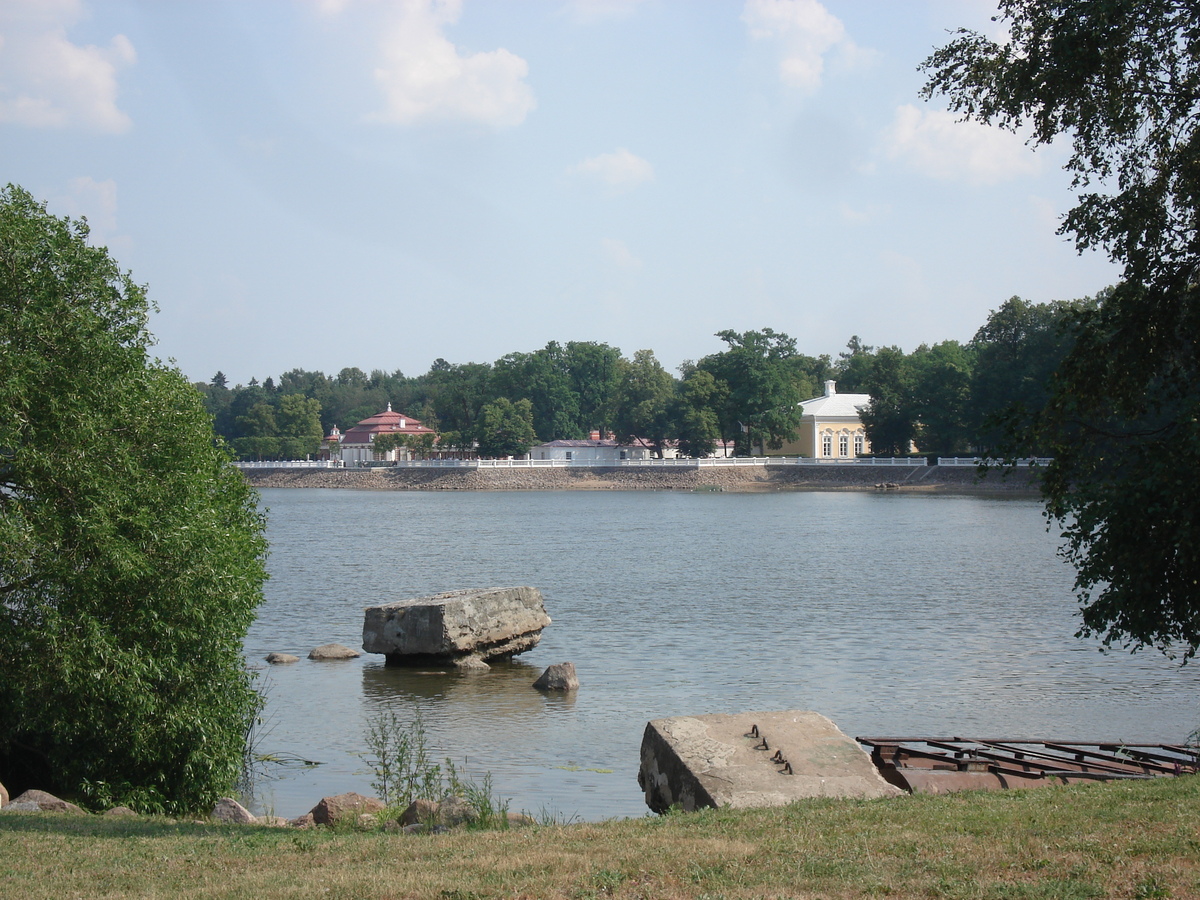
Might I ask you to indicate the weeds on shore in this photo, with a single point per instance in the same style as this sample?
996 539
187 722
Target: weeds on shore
404 771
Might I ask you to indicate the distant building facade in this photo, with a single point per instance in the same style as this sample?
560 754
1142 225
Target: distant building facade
358 442
594 449
830 427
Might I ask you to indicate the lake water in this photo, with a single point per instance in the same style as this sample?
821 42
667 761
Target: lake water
892 614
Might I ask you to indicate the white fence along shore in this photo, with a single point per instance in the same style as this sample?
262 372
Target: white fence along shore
719 461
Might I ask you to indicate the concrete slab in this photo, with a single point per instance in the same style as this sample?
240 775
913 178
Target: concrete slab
753 759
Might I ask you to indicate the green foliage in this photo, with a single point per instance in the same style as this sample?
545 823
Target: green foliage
131 552
399 757
544 379
942 394
644 402
1123 481
1122 82
595 373
761 397
697 424
505 429
890 418
1017 353
404 771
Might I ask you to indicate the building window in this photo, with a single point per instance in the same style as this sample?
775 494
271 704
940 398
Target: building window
624 455
827 445
568 454
844 445
858 445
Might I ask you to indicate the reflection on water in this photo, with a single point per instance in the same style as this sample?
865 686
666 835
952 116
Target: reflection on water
890 614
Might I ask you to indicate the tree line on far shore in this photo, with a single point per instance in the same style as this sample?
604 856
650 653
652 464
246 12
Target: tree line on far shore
948 398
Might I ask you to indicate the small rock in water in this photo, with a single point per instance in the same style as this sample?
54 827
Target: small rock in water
279 659
558 677
333 651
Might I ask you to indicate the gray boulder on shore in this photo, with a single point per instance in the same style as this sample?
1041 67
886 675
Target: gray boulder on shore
40 801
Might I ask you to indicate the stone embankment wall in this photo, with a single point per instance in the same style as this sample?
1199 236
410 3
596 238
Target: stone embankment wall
652 478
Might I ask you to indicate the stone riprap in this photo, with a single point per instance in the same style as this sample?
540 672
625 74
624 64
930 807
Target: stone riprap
935 479
462 628
752 760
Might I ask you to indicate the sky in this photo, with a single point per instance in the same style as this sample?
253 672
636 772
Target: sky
320 184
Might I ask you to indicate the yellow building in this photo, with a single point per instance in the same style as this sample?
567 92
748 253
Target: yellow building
830 427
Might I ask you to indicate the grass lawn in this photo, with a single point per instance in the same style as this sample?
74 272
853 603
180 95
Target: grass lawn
1136 839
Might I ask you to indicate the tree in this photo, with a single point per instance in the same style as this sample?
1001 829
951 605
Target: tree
1122 82
699 428
1018 351
131 552
942 393
890 419
459 393
854 366
763 399
505 428
542 378
299 422
644 398
595 378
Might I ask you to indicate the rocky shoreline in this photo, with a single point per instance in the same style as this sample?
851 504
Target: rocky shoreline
744 479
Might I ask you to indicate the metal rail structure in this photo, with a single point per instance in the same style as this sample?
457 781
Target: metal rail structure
933 765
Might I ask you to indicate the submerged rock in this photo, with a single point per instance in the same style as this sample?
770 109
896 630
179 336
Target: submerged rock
280 659
558 677
332 651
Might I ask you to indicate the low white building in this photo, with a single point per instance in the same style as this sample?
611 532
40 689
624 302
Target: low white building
590 450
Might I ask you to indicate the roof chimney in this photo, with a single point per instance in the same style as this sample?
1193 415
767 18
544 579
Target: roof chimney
830 388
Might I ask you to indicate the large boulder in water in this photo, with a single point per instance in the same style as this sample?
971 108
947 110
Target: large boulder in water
456 627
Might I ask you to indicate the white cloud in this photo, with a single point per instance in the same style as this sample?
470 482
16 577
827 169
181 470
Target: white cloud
423 76
871 213
619 254
619 169
936 143
588 12
97 202
1045 214
807 31
48 82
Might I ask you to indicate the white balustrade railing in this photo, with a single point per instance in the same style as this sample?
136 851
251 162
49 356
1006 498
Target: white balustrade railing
684 462
290 464
990 461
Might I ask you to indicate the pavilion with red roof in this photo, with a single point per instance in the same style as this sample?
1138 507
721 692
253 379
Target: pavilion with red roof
358 442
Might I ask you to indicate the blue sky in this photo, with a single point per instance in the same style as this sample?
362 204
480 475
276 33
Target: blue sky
378 184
